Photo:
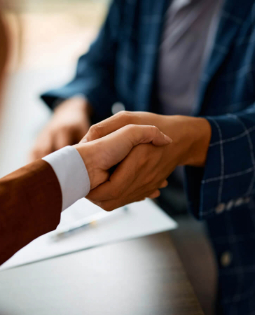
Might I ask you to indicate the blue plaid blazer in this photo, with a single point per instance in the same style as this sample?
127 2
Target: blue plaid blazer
120 67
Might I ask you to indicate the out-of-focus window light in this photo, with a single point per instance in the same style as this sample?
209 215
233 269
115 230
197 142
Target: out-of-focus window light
47 37
53 32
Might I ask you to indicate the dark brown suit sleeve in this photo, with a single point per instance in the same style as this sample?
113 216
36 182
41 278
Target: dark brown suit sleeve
30 205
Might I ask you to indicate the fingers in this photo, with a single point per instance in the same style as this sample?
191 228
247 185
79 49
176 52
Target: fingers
69 123
109 198
62 139
42 147
110 205
108 126
164 184
115 147
50 141
145 133
139 134
105 192
155 195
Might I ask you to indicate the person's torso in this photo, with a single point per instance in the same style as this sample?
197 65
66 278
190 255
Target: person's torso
226 85
189 29
227 77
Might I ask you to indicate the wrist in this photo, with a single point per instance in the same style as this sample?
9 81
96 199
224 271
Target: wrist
192 138
87 157
91 157
77 103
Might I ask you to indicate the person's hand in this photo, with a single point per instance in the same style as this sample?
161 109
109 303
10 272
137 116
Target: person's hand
69 124
191 135
146 166
138 177
102 154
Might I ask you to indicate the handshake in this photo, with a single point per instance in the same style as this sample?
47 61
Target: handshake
136 144
134 150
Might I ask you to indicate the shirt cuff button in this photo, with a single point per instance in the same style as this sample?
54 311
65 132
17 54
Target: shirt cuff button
226 259
230 205
239 202
220 208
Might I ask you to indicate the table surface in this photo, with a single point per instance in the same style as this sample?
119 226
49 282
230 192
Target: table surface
143 276
139 277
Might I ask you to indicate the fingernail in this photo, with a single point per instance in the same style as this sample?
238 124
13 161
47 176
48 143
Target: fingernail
168 139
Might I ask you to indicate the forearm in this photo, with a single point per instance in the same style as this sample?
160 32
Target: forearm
30 201
33 197
191 138
227 180
78 102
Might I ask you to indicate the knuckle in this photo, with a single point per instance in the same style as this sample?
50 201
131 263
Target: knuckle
154 130
63 129
124 115
131 127
95 130
143 159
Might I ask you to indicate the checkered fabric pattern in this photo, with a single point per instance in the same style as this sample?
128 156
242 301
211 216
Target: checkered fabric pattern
120 67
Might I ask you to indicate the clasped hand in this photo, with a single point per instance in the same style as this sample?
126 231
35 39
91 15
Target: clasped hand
144 167
136 177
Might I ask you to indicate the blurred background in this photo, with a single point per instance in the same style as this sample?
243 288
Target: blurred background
49 36
56 32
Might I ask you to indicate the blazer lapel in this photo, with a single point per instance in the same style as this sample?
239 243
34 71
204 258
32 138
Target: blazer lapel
232 16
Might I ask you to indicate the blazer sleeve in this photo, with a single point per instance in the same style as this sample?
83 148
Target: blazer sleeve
94 76
228 179
30 205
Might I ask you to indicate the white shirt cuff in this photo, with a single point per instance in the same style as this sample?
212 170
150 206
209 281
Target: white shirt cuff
71 173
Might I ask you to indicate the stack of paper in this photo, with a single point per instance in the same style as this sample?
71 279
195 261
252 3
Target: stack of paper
135 220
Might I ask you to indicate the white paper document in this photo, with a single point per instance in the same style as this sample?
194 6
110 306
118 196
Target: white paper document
135 220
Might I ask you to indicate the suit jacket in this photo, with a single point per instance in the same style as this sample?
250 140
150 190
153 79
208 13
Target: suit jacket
30 205
121 66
